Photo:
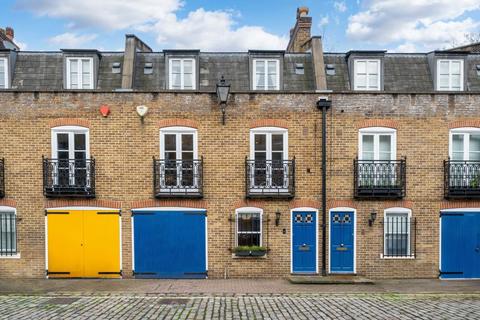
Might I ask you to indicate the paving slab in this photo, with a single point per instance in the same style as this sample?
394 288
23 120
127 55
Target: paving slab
228 286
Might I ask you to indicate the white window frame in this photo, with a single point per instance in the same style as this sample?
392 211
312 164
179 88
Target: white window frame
355 74
71 131
466 132
265 85
249 210
3 255
397 210
178 131
462 75
268 131
182 73
6 75
79 73
376 132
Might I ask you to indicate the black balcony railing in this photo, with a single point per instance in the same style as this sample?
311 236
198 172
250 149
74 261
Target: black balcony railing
2 178
178 178
462 179
399 237
270 178
379 179
69 178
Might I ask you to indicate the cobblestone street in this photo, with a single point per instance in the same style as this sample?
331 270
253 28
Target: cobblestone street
290 306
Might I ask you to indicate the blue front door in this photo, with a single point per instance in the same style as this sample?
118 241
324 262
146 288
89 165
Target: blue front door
170 244
304 242
342 242
460 245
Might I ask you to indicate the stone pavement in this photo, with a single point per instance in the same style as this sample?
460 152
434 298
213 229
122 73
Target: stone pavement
291 306
236 299
229 286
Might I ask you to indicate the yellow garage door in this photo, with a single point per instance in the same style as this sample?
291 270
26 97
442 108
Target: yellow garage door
83 243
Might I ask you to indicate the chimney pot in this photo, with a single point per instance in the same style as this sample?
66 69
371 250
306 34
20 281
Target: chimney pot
302 12
9 32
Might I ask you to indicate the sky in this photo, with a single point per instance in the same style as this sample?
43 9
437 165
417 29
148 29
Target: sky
239 25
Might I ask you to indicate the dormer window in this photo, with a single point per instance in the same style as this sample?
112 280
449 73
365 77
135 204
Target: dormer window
182 74
450 75
3 73
266 75
367 74
79 73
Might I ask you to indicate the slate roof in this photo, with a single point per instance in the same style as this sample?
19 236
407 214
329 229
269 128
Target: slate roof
407 73
401 72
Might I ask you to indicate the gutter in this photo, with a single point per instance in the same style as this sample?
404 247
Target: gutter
324 103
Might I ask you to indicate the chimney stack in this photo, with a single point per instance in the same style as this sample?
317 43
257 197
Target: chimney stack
300 33
9 33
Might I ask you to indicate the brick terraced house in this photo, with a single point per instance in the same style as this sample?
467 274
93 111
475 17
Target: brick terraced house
146 164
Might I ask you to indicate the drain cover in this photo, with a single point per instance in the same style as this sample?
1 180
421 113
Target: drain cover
61 301
174 301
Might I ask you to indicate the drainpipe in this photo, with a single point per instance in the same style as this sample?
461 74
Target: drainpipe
324 103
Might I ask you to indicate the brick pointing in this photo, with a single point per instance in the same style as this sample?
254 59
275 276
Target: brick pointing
151 203
82 203
249 203
177 122
8 203
69 122
459 204
341 204
305 203
475 123
387 123
269 123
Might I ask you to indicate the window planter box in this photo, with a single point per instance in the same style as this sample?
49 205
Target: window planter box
250 252
245 253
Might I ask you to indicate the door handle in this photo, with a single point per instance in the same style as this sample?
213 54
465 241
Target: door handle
477 249
304 245
341 244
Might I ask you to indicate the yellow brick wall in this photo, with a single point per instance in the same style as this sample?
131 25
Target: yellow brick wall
123 148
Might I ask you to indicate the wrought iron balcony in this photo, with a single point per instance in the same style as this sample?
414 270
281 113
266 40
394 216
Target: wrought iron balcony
2 178
382 179
178 178
69 178
270 178
462 179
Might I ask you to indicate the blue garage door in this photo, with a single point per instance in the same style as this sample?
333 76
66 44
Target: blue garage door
170 244
460 245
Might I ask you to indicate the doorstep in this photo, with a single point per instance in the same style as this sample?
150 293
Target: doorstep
331 279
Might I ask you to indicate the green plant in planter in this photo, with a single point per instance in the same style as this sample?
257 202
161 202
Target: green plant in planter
250 251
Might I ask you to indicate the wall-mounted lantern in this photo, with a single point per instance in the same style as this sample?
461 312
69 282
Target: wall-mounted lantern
373 217
278 214
223 91
142 112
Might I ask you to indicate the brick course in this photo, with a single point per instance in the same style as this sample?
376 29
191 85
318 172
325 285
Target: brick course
123 147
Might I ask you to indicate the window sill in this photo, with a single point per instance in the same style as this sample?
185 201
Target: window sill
396 258
234 256
15 256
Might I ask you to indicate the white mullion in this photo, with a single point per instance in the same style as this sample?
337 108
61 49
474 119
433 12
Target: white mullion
466 146
268 157
178 156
